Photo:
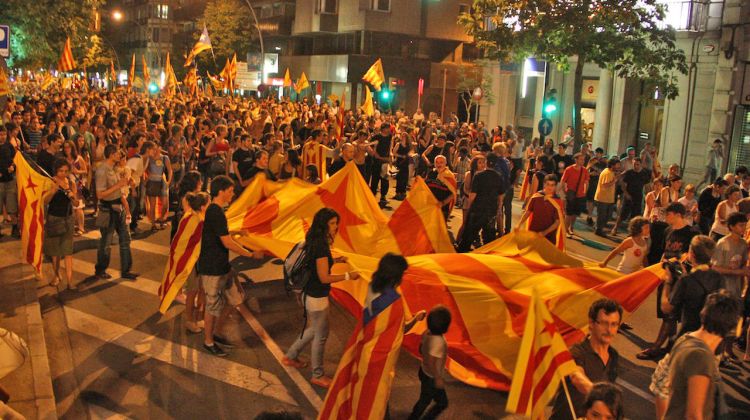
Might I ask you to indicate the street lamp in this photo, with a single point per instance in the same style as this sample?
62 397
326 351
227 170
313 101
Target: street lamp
117 15
260 38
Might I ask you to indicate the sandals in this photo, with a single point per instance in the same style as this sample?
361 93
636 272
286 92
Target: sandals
55 281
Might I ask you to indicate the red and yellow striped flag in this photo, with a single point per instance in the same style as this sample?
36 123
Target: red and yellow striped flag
31 189
47 81
112 74
203 44
215 82
302 83
183 254
560 232
368 107
287 78
375 75
66 63
543 361
146 75
191 81
362 384
131 75
170 82
4 83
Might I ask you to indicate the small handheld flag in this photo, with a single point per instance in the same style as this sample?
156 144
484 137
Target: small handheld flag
66 63
374 75
367 107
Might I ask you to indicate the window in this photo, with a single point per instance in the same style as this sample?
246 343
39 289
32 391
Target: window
381 5
162 11
155 35
463 8
328 7
692 15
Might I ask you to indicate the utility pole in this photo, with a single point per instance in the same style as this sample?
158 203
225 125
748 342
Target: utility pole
260 38
445 82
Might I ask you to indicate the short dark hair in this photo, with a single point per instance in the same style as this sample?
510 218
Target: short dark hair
612 162
550 177
609 394
721 182
219 184
676 208
109 150
438 320
599 150
59 163
742 169
491 159
720 313
607 305
702 248
736 218
315 133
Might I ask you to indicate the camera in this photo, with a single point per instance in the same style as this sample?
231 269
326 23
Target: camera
675 269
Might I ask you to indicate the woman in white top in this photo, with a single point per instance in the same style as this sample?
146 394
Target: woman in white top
634 248
651 200
719 229
691 204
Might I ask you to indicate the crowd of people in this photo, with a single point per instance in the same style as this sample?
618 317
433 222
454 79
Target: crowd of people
119 158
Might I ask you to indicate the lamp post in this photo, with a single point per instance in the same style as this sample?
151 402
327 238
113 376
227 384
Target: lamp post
260 38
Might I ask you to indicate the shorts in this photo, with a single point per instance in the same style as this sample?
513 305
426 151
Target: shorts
215 289
575 207
9 196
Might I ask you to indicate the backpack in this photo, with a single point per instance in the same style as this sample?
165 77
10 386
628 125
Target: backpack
296 269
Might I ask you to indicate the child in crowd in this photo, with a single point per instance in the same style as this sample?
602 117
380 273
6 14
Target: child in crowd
433 350
634 248
312 175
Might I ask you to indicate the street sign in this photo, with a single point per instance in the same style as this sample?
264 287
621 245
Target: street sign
545 126
5 41
478 94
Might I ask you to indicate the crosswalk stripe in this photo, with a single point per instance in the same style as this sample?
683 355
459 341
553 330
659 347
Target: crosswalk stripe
223 370
143 284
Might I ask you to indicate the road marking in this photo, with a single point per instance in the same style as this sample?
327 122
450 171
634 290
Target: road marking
150 286
635 390
302 383
139 244
181 356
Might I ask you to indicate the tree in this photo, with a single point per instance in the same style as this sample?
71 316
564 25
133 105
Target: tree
469 78
39 29
627 37
231 28
96 53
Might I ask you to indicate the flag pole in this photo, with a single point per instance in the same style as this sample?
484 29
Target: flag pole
570 400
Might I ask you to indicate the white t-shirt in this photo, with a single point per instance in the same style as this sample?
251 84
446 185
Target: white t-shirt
689 206
437 347
136 167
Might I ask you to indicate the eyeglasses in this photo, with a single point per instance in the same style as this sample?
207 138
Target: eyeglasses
604 323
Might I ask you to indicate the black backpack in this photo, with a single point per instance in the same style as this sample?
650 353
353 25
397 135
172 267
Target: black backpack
296 269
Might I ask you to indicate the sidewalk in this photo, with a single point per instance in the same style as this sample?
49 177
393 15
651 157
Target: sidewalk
30 386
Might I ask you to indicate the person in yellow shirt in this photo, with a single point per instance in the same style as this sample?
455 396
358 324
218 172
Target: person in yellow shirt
605 195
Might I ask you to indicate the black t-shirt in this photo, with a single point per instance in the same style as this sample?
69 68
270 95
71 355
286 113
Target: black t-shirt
254 170
336 166
46 161
383 146
689 295
7 153
316 288
561 162
245 161
214 257
678 241
634 182
487 185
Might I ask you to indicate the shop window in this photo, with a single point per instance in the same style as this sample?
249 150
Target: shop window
162 11
739 151
381 5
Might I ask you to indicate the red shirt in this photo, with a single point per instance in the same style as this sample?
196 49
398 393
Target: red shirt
571 178
543 215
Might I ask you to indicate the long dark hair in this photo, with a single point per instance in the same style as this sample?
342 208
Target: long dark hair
317 236
390 271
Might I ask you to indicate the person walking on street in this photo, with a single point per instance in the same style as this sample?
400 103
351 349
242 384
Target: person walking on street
575 179
59 224
605 195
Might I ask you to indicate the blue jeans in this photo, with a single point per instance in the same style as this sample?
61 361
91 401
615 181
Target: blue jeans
317 332
103 252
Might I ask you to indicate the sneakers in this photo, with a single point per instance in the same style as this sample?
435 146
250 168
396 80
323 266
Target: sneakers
215 350
223 342
299 364
321 381
103 275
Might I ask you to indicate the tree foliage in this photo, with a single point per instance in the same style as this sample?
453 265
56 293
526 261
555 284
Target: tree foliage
39 29
96 53
232 30
470 77
625 36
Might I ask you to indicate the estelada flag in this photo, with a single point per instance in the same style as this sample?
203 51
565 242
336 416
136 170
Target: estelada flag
368 107
183 254
146 76
287 78
203 44
302 83
32 186
543 361
362 384
66 63
374 75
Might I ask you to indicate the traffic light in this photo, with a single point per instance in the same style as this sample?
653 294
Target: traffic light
550 103
385 95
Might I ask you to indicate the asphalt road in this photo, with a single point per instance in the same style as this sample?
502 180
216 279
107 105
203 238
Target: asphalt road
113 355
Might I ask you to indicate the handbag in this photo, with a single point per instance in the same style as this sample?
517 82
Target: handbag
153 188
58 226
217 166
103 219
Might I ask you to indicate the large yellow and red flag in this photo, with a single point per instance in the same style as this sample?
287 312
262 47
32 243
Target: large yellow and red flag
47 81
66 63
183 254
31 189
558 205
488 290
302 83
170 82
362 384
287 78
215 82
375 75
368 108
191 81
203 44
543 361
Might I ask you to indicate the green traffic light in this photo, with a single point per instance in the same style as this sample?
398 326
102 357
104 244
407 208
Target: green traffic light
385 95
550 108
